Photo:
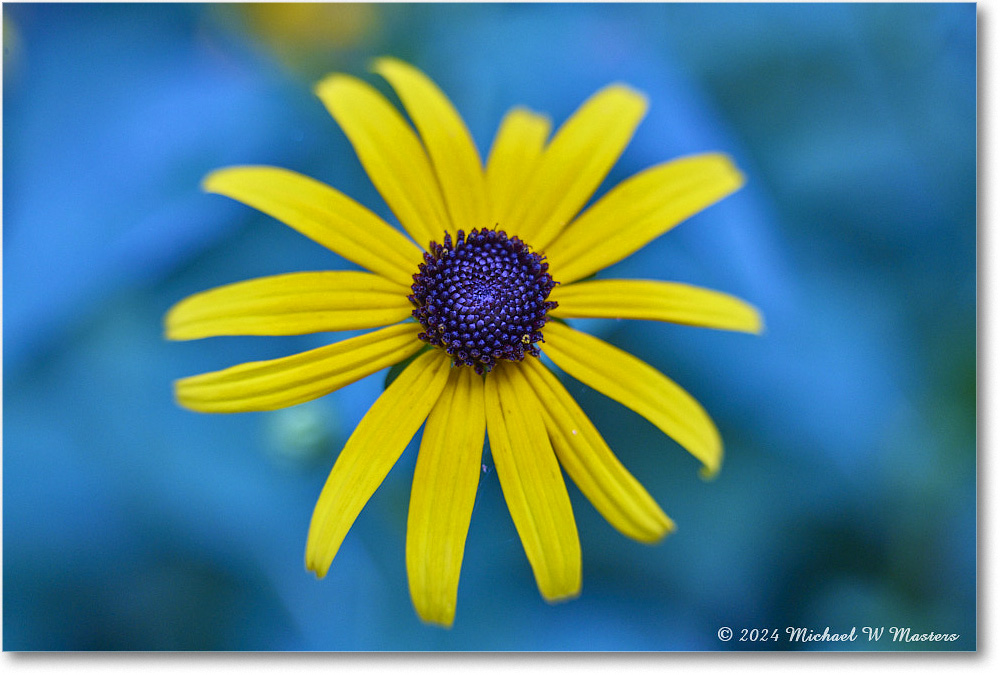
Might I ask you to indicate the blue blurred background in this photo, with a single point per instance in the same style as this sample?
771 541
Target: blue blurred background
848 495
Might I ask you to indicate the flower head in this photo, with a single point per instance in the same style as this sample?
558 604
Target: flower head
496 260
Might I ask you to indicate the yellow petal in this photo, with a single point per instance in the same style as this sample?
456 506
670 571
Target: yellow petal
513 158
449 144
376 444
532 483
655 301
639 386
444 492
640 209
322 214
391 154
279 383
576 161
290 304
613 491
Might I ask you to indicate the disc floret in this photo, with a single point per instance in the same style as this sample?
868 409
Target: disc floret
482 298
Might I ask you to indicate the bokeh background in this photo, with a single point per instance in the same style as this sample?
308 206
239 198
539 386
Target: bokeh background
848 495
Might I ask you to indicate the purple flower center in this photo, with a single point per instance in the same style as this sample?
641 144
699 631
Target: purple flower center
482 298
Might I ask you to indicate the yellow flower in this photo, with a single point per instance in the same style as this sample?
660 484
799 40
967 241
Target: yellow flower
506 251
